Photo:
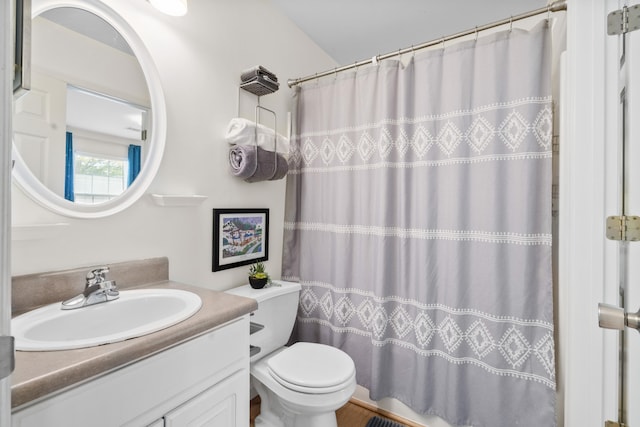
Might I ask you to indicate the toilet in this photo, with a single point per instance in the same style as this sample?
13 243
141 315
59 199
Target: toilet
301 385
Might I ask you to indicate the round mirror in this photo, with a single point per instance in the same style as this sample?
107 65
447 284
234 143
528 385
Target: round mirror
89 135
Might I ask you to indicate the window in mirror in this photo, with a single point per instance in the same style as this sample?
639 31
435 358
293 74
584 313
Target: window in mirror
106 136
103 145
98 179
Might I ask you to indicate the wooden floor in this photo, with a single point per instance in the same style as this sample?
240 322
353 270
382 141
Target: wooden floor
350 415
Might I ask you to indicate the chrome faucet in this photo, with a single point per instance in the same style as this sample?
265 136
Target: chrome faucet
97 290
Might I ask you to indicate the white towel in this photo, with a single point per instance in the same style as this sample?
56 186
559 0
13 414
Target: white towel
243 132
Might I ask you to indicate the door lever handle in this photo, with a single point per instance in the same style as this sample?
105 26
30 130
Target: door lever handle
612 317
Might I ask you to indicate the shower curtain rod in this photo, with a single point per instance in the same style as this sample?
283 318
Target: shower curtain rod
556 6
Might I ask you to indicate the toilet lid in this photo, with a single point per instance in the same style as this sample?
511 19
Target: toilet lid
311 366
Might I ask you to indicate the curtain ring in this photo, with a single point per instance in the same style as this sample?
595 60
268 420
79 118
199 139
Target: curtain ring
511 23
317 80
413 52
476 33
335 74
549 12
355 65
443 42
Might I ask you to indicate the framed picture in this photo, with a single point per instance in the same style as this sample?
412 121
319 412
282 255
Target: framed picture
240 237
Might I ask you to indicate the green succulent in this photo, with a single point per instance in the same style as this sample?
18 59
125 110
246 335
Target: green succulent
257 270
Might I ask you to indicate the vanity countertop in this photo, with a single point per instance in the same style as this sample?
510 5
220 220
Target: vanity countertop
41 373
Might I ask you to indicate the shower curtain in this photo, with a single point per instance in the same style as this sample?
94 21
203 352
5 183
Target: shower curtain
418 222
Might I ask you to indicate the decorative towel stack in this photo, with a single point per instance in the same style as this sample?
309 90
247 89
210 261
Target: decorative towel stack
259 81
258 153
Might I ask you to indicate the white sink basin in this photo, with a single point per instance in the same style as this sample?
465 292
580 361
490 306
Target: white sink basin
137 312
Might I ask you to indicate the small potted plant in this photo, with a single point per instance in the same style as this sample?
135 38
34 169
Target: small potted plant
258 278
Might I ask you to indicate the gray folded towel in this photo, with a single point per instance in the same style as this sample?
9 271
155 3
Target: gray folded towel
258 70
253 164
264 80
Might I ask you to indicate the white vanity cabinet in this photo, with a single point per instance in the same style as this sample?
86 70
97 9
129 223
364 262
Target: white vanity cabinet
201 382
202 411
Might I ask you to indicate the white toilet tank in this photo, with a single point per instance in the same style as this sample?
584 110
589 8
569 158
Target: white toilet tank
276 313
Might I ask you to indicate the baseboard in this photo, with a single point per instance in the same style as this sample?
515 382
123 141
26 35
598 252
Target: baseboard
384 413
255 410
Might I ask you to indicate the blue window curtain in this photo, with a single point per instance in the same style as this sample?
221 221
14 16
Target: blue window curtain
134 162
68 169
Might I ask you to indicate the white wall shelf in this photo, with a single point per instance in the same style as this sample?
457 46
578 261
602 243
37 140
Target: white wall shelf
177 199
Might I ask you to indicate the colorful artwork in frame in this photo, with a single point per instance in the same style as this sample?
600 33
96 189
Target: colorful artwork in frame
240 237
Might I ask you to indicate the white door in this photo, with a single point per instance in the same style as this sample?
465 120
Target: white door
39 127
627 185
631 350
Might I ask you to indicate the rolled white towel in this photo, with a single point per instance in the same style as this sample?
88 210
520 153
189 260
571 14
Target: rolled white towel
243 132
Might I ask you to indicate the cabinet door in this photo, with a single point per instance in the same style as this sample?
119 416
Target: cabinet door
217 406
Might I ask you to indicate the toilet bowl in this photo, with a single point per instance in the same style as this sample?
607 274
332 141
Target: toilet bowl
301 385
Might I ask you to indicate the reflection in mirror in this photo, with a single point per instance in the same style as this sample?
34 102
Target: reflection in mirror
83 129
104 141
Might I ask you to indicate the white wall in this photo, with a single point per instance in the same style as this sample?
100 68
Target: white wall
199 58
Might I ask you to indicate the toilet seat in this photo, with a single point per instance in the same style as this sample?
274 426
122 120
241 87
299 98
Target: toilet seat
312 368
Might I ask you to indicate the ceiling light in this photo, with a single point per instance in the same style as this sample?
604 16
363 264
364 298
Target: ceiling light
171 7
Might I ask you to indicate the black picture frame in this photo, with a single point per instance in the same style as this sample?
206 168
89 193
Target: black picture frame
240 237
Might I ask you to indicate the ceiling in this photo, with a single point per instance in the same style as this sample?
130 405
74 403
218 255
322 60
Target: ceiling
353 30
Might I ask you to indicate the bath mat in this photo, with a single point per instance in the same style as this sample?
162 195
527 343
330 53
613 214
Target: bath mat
382 422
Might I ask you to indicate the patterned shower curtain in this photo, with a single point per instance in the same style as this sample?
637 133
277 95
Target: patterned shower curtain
418 221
